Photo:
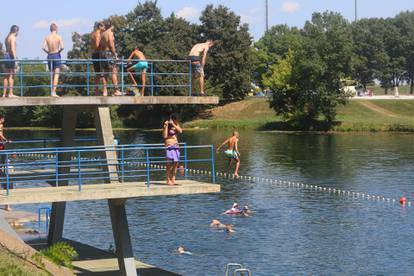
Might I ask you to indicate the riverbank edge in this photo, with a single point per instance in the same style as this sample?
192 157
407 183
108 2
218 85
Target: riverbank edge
283 127
199 125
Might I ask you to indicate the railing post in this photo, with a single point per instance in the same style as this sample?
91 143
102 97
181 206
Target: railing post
122 163
148 166
190 74
122 76
7 174
152 79
79 172
57 168
88 75
213 171
21 79
185 161
39 212
47 218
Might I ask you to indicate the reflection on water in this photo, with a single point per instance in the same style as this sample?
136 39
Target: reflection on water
292 231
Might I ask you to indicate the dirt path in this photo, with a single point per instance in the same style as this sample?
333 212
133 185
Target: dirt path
378 109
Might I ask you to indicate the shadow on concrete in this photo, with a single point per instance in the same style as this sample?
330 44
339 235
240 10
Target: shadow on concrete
103 262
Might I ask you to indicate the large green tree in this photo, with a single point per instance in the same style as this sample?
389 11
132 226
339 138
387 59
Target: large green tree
311 82
273 46
369 53
228 67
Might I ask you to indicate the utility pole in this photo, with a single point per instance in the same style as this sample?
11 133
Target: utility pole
356 10
267 15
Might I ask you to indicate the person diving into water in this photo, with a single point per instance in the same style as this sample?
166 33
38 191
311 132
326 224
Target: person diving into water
232 152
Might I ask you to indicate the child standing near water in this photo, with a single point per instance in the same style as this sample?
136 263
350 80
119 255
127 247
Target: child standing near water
232 152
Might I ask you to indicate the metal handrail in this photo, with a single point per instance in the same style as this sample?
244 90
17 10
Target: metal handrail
87 165
83 79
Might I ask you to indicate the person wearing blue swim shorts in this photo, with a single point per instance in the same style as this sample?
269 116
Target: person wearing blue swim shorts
10 59
232 152
53 46
140 67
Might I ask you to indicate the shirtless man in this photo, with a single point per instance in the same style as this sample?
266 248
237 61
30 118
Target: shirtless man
140 67
197 64
3 71
10 58
96 56
53 46
232 152
107 48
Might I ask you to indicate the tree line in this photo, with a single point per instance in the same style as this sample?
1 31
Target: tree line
306 68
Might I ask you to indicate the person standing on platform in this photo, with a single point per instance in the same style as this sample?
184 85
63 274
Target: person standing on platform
53 46
96 58
198 63
3 71
107 48
140 67
232 152
10 58
171 129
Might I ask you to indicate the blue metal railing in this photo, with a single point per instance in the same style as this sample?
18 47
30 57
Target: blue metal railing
78 74
88 165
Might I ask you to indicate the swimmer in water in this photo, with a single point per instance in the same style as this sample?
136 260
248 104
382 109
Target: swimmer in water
216 224
181 250
246 211
232 152
235 210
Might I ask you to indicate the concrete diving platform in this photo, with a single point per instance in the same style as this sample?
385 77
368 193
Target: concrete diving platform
124 190
105 101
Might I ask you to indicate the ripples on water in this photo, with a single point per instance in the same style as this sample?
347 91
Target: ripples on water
292 231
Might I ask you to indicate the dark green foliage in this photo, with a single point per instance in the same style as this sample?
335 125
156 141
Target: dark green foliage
61 254
230 65
311 85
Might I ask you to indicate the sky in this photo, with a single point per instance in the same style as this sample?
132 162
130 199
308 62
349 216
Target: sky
34 17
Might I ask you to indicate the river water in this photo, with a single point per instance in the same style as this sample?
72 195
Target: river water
292 231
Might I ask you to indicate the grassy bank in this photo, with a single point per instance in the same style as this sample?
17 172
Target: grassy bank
11 264
359 116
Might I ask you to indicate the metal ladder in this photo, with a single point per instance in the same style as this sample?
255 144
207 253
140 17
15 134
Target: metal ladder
238 270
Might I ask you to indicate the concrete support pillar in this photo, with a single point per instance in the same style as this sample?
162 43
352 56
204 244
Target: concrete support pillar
105 137
57 216
124 253
120 228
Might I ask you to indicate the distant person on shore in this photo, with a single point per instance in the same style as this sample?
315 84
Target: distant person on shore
232 152
53 46
10 58
96 58
3 160
198 58
108 51
171 128
140 67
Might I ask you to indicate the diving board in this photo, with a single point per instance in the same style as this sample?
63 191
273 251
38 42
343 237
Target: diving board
108 191
106 101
